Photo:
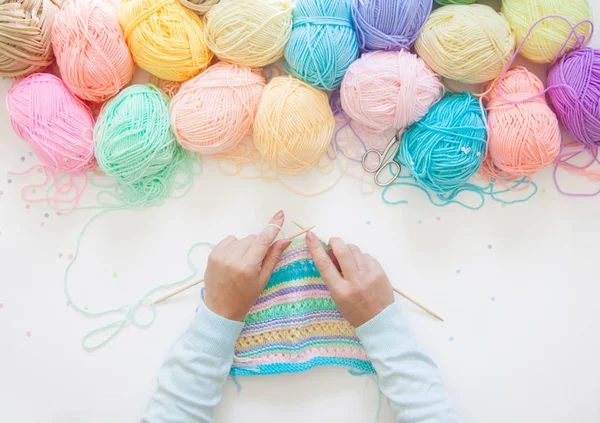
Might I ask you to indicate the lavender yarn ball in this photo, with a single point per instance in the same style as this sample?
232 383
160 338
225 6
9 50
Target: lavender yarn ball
574 89
389 24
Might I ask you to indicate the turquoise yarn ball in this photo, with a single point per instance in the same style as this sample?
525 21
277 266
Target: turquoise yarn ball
445 148
323 43
135 144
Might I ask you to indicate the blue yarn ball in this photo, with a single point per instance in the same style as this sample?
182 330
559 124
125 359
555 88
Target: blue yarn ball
323 43
389 24
445 148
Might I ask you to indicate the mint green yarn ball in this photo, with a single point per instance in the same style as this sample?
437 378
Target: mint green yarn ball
134 143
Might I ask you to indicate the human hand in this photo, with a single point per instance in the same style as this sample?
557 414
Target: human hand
362 290
238 270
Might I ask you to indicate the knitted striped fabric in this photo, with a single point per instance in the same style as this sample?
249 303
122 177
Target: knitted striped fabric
295 325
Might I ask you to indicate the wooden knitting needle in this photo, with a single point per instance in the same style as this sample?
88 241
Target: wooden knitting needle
421 306
303 231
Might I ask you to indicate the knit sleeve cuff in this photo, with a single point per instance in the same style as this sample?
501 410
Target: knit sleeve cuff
384 332
213 334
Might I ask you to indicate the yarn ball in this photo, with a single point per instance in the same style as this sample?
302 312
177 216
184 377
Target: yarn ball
386 90
548 37
467 43
574 89
389 24
524 137
249 32
165 38
323 43
25 45
57 125
214 111
445 148
90 49
446 2
294 125
135 144
199 6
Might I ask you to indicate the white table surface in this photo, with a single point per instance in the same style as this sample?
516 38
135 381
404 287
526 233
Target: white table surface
517 285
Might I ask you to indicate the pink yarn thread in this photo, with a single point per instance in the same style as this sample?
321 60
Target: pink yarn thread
90 49
57 126
386 90
214 111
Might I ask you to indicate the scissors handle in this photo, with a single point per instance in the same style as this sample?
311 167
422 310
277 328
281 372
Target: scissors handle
395 174
379 161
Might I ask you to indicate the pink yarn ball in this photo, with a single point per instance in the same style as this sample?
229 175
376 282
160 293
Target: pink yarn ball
214 111
57 125
90 49
386 90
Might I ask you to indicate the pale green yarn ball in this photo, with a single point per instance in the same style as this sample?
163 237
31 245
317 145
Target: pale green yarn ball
135 144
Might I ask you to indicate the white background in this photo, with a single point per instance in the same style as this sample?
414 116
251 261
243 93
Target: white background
529 355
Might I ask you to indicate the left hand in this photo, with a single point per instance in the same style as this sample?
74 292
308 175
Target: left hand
238 270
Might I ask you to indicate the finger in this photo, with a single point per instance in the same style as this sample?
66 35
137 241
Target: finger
224 244
359 259
272 258
344 256
371 262
328 272
258 250
240 247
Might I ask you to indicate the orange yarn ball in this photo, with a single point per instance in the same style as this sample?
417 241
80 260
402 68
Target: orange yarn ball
214 111
524 137
90 49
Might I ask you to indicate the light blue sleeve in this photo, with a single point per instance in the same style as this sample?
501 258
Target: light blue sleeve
407 376
190 382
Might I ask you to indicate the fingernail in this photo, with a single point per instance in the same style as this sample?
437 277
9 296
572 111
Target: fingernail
310 237
278 215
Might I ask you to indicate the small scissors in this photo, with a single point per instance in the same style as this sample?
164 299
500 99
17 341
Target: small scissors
387 158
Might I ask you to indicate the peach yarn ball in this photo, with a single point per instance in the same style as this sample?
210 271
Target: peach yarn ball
523 137
294 125
386 90
90 49
214 111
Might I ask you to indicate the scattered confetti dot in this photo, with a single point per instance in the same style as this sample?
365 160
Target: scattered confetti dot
30 154
294 119
493 299
438 218
65 159
74 144
419 222
502 205
368 222
115 275
68 303
1 305
451 339
46 215
85 308
70 256
1 192
458 271
27 206
478 154
489 246
42 223
22 158
28 334
9 181
543 189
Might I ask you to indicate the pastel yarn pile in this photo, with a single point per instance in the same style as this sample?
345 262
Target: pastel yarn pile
25 27
135 144
386 90
445 148
467 43
249 32
294 125
165 38
574 89
548 37
90 49
389 24
199 6
524 136
322 44
57 125
214 111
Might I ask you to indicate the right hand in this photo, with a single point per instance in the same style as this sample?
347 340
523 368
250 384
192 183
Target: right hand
362 290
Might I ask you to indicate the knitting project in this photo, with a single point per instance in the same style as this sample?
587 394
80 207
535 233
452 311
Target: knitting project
295 325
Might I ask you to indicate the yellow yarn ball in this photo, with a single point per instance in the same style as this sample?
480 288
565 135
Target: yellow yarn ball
466 43
548 37
293 126
249 32
165 38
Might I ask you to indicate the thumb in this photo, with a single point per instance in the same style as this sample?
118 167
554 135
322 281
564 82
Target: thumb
271 259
